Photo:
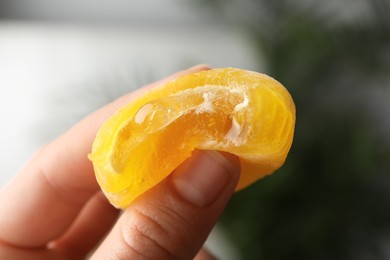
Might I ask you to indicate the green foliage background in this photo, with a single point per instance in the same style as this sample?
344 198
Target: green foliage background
331 200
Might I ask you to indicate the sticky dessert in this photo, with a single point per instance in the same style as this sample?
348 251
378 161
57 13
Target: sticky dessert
241 112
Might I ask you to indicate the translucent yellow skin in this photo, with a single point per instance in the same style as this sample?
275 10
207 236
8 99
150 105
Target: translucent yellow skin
241 112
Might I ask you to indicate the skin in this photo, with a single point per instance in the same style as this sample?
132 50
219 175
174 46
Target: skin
54 209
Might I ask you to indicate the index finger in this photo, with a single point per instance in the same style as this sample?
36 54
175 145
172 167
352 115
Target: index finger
41 202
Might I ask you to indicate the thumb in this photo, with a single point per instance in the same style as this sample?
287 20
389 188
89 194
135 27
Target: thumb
173 220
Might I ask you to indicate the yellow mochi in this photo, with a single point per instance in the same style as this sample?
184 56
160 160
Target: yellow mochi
241 112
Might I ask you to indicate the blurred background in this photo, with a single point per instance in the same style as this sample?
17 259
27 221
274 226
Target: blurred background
60 61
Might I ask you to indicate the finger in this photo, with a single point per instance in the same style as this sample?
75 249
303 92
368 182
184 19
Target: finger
7 252
40 203
173 219
93 223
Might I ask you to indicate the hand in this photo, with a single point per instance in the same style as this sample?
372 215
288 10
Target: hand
54 208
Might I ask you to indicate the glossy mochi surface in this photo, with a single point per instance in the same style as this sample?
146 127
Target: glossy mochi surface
241 112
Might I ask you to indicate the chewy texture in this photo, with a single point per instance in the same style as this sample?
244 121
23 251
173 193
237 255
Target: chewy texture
241 112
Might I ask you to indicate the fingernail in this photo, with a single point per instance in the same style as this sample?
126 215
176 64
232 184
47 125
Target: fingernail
202 178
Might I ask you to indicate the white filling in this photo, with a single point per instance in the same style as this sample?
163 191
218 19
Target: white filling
234 131
243 104
207 105
142 113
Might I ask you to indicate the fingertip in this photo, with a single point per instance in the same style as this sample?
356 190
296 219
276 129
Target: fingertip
201 179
